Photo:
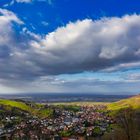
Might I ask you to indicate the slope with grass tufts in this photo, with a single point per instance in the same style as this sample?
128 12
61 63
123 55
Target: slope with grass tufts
33 109
17 104
133 102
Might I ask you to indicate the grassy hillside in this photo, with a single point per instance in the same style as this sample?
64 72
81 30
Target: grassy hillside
16 104
133 102
126 112
41 111
35 109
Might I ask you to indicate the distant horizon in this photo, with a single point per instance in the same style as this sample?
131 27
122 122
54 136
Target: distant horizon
66 97
69 93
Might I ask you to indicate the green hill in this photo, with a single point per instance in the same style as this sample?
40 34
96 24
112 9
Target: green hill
17 104
133 102
32 108
126 113
41 111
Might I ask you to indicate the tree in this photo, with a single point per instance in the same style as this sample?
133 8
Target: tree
126 119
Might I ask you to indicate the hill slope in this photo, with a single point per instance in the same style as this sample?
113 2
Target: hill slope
133 102
17 104
32 108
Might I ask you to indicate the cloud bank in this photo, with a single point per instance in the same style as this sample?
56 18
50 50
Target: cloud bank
105 45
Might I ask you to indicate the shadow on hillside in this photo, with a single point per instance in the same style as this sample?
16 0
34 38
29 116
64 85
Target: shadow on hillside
127 125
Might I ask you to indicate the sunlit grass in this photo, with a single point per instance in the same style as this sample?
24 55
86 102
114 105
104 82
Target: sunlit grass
16 104
36 110
133 102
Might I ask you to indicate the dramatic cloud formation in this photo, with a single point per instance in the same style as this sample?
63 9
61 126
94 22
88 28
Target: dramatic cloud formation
7 36
108 44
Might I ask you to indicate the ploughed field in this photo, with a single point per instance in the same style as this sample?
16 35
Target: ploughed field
78 120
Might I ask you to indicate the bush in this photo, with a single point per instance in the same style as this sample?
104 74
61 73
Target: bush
97 131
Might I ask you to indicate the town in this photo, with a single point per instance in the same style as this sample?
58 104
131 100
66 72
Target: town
65 123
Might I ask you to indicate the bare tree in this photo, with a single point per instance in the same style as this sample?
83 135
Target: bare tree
127 120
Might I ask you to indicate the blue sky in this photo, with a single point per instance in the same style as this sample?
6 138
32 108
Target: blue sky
70 46
59 13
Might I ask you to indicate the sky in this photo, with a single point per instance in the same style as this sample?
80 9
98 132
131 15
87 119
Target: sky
70 46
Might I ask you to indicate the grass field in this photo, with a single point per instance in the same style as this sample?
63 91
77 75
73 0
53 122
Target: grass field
37 110
133 102
16 104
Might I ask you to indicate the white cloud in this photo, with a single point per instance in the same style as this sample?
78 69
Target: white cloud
6 30
8 16
108 44
17 1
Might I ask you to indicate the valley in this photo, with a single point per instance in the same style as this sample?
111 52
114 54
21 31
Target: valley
20 119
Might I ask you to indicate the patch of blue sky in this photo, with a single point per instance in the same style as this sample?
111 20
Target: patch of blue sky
114 76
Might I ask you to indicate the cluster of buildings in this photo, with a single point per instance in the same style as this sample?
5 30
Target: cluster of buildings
65 124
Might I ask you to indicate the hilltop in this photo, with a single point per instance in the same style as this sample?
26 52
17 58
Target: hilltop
17 104
22 106
133 102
